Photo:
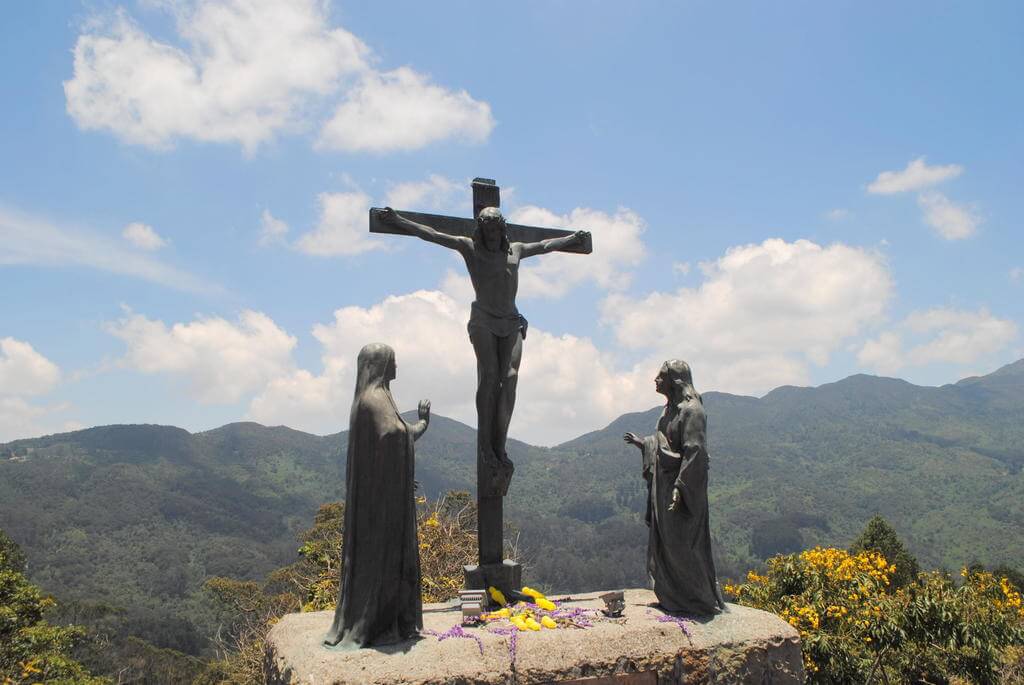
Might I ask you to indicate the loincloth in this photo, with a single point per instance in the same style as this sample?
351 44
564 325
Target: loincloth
501 326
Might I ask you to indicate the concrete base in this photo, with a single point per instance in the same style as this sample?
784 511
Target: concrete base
505 576
739 646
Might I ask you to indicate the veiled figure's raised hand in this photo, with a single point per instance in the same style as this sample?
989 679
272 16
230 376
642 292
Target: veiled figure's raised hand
387 215
633 439
424 410
581 236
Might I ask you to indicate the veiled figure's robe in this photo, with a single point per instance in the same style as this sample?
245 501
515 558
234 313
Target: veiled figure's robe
380 584
679 561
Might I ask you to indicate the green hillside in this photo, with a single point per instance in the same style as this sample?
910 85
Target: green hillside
805 466
137 517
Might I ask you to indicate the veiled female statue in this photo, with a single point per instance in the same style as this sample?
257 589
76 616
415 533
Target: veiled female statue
380 570
675 466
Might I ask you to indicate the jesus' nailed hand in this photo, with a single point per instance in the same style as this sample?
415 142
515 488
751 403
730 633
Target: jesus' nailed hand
496 328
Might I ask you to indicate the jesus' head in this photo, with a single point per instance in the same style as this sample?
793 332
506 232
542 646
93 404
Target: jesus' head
491 231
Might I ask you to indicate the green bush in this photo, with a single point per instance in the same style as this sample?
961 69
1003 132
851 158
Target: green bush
857 626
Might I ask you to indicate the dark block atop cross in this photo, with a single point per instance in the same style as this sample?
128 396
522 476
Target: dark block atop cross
498 341
485 194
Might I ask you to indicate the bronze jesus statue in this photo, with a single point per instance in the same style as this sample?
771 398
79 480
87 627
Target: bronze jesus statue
496 328
492 250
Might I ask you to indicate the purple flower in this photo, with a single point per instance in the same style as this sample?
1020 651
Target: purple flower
513 638
678 620
456 631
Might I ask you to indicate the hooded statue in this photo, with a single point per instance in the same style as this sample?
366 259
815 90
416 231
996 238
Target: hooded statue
379 599
675 466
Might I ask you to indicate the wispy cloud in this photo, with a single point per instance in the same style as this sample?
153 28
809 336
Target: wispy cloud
951 221
272 229
915 176
436 193
143 237
31 240
939 335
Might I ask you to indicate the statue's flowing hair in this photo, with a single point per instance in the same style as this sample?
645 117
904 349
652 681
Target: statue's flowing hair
491 215
682 379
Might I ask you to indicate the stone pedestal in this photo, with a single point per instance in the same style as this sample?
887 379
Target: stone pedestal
504 576
739 646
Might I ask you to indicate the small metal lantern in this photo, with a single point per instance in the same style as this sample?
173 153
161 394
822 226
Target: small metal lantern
614 603
472 602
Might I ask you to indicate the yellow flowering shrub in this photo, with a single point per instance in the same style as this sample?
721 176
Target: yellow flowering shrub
447 540
854 625
446 530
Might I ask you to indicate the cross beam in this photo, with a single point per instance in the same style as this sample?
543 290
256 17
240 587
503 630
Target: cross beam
485 194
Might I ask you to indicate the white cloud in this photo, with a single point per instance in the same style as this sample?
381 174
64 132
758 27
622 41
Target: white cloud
143 237
25 239
949 220
26 373
272 229
246 71
567 386
436 194
682 268
402 110
762 314
221 361
884 353
939 335
343 228
915 176
1016 274
837 214
617 248
457 286
23 371
22 419
431 363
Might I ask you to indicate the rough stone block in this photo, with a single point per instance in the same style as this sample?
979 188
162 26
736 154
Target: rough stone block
741 645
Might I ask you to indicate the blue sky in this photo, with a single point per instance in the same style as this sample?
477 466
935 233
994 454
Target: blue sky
780 194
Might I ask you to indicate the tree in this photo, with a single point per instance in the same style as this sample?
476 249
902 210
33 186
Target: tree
32 650
879 536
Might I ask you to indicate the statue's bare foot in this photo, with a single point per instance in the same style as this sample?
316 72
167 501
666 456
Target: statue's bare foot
498 473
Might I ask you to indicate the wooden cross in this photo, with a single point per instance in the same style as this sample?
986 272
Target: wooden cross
490 530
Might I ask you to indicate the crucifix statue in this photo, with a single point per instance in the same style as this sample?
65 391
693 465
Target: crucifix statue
492 250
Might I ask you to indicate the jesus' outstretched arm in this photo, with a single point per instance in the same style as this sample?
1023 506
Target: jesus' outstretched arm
552 244
452 242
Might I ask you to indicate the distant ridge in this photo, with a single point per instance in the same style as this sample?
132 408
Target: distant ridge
138 516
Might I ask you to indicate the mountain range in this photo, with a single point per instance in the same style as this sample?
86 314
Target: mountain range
136 517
